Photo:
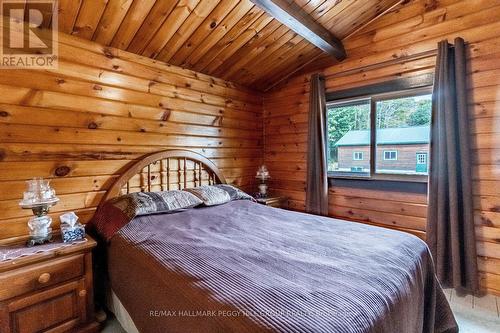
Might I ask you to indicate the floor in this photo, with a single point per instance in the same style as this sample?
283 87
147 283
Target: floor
473 314
113 326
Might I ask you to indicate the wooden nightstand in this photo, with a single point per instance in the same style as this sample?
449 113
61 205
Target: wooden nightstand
279 202
50 291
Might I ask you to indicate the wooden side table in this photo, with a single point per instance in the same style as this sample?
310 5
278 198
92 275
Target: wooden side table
278 202
48 291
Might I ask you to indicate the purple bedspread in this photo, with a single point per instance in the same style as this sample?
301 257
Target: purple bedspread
246 267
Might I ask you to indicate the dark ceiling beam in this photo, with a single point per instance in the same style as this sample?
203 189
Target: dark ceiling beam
287 12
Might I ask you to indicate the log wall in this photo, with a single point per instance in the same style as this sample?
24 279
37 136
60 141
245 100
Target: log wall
410 32
83 124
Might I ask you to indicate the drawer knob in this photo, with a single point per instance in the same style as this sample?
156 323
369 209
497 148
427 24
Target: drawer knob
44 278
82 293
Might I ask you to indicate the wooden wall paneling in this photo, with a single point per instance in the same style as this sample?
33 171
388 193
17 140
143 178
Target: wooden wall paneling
487 16
118 62
131 23
341 18
172 97
10 208
110 21
188 27
429 21
68 12
410 15
253 46
293 16
473 34
399 46
295 60
183 31
84 168
86 120
82 124
363 13
179 14
286 50
153 21
207 27
88 18
55 135
118 105
271 33
12 188
289 39
321 13
380 48
233 41
325 13
16 152
279 37
243 14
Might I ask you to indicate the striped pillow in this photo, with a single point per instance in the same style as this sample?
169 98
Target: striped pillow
144 203
210 195
234 192
117 212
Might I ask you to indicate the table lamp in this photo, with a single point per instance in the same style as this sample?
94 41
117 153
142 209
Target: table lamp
39 197
262 175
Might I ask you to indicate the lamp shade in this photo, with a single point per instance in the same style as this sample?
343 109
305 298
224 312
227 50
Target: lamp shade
38 192
262 173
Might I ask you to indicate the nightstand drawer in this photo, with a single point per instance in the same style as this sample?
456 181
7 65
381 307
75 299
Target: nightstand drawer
34 277
59 309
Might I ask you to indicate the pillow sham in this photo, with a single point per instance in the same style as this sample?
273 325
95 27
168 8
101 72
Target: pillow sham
210 195
117 212
144 203
234 192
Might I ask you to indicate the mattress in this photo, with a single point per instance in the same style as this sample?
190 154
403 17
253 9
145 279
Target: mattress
246 267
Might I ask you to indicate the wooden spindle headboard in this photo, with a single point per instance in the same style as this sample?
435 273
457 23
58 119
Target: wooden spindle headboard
166 170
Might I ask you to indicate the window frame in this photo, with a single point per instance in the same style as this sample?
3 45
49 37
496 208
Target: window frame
358 159
424 88
391 151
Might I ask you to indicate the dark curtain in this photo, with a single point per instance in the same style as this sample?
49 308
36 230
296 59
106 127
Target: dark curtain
450 222
317 178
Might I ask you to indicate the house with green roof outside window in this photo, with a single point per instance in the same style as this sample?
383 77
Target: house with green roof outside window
402 150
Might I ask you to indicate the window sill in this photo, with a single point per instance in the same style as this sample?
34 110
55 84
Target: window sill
384 177
405 184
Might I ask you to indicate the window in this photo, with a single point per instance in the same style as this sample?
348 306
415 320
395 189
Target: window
422 158
390 155
357 156
381 136
349 135
421 166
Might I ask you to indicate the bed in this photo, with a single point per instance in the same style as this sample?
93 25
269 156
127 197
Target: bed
246 267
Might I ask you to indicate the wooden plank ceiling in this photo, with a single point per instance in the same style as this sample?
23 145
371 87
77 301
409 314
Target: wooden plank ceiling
229 39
